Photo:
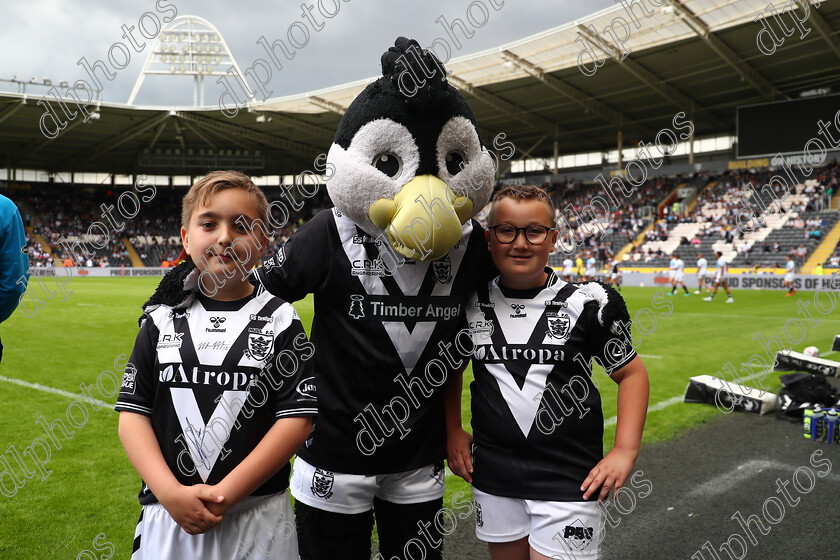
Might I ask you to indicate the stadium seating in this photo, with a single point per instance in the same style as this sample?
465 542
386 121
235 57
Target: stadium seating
65 212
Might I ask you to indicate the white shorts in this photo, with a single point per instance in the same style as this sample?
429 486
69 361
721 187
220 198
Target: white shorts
354 493
701 276
563 530
257 527
678 277
613 275
789 277
590 271
567 272
671 274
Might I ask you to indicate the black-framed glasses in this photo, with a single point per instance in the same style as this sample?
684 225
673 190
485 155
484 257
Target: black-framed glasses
506 233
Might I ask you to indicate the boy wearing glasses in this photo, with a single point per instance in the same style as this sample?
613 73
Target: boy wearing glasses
537 465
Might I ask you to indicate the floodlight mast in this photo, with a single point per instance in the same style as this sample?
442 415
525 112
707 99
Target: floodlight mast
187 46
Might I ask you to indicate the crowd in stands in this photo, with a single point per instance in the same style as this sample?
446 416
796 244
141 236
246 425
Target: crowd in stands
58 218
737 198
56 215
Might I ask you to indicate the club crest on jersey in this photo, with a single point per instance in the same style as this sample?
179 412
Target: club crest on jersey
322 484
259 345
559 325
357 311
216 322
517 311
179 314
442 270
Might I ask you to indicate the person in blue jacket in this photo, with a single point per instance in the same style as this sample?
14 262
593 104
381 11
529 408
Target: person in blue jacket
14 261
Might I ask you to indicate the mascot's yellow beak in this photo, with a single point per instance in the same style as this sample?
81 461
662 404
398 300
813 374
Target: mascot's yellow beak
424 219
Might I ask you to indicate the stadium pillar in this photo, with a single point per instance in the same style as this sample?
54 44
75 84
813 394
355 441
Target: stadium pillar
691 149
619 148
556 150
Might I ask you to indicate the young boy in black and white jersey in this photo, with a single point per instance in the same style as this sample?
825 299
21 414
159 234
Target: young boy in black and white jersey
537 463
218 393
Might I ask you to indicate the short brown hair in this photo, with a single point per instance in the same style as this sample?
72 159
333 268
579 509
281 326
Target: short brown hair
521 192
216 181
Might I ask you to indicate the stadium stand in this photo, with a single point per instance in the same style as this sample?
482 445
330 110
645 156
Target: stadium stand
58 218
795 221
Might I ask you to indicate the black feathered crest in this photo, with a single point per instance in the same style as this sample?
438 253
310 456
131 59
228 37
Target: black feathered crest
417 74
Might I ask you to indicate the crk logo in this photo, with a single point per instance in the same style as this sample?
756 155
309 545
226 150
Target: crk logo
170 341
356 309
517 310
479 520
577 535
216 321
322 483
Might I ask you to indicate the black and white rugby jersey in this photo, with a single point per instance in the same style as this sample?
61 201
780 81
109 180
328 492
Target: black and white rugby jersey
378 331
536 411
214 378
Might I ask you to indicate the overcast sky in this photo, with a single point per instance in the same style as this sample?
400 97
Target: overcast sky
46 38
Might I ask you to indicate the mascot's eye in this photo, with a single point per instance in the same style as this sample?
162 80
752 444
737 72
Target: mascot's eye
388 163
455 162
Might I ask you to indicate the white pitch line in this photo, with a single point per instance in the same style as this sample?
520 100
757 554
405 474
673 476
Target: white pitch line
54 391
650 356
726 481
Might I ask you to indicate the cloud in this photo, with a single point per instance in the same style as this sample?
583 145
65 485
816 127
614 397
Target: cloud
51 36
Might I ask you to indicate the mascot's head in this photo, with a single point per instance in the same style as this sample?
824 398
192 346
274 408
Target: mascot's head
408 159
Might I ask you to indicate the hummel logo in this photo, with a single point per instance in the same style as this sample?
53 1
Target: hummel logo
217 321
517 310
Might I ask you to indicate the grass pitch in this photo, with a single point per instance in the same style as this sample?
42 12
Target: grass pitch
90 488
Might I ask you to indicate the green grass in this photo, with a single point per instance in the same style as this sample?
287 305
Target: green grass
92 487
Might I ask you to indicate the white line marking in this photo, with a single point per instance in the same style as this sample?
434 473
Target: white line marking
652 408
650 356
727 481
38 386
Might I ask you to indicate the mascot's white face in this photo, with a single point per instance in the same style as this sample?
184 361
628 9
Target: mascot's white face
375 182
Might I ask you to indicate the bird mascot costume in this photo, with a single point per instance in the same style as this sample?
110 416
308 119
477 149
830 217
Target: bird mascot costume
391 267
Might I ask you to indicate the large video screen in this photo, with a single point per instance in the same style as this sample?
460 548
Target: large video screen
784 126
